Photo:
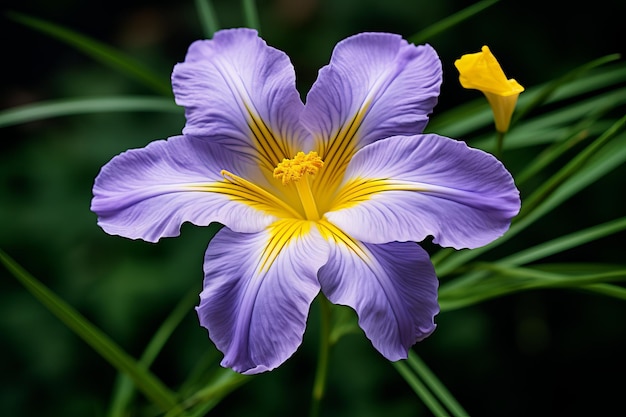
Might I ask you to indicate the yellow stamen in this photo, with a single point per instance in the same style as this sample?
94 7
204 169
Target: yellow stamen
293 170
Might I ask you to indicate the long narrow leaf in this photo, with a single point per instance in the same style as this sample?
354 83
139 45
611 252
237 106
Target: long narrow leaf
420 389
435 385
222 382
570 168
75 106
208 17
251 14
450 21
124 387
99 51
550 88
149 384
566 242
503 280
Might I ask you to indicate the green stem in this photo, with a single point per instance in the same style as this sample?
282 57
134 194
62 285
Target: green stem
319 386
499 144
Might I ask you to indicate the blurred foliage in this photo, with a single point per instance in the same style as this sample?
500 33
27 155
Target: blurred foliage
540 352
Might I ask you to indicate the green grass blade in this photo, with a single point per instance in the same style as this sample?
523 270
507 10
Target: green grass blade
124 387
564 243
608 290
450 21
251 14
420 389
208 17
549 89
98 51
435 385
572 167
222 382
578 133
149 384
75 106
498 280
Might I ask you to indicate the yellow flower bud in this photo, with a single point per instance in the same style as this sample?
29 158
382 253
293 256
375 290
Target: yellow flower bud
481 71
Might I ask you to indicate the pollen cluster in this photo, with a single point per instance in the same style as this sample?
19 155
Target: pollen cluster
293 169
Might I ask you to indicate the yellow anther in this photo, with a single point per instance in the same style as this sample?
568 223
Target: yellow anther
293 169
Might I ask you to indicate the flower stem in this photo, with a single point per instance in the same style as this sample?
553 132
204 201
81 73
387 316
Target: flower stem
319 386
499 144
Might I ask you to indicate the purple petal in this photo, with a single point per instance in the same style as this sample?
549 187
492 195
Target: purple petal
406 188
377 85
392 287
148 193
257 292
239 91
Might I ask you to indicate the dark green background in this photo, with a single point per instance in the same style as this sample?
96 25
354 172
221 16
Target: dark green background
538 353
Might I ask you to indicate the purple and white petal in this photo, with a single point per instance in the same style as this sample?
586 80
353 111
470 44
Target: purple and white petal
377 85
148 193
393 289
256 312
407 188
239 91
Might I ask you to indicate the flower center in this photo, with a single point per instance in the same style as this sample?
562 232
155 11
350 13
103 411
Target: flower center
293 170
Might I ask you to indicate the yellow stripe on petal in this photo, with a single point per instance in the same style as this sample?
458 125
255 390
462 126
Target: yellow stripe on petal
358 190
271 149
333 234
337 153
281 234
243 191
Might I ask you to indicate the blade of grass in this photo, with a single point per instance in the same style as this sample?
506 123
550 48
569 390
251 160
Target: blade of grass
124 388
569 169
98 51
251 14
549 89
435 385
450 21
420 389
503 280
564 243
223 382
149 384
74 106
608 290
208 17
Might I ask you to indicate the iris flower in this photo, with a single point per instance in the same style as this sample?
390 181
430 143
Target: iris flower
481 71
326 196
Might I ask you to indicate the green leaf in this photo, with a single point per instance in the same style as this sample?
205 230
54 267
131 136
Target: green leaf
223 381
450 21
124 388
75 106
251 14
504 279
548 90
429 400
572 167
564 243
98 51
208 17
149 384
435 385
